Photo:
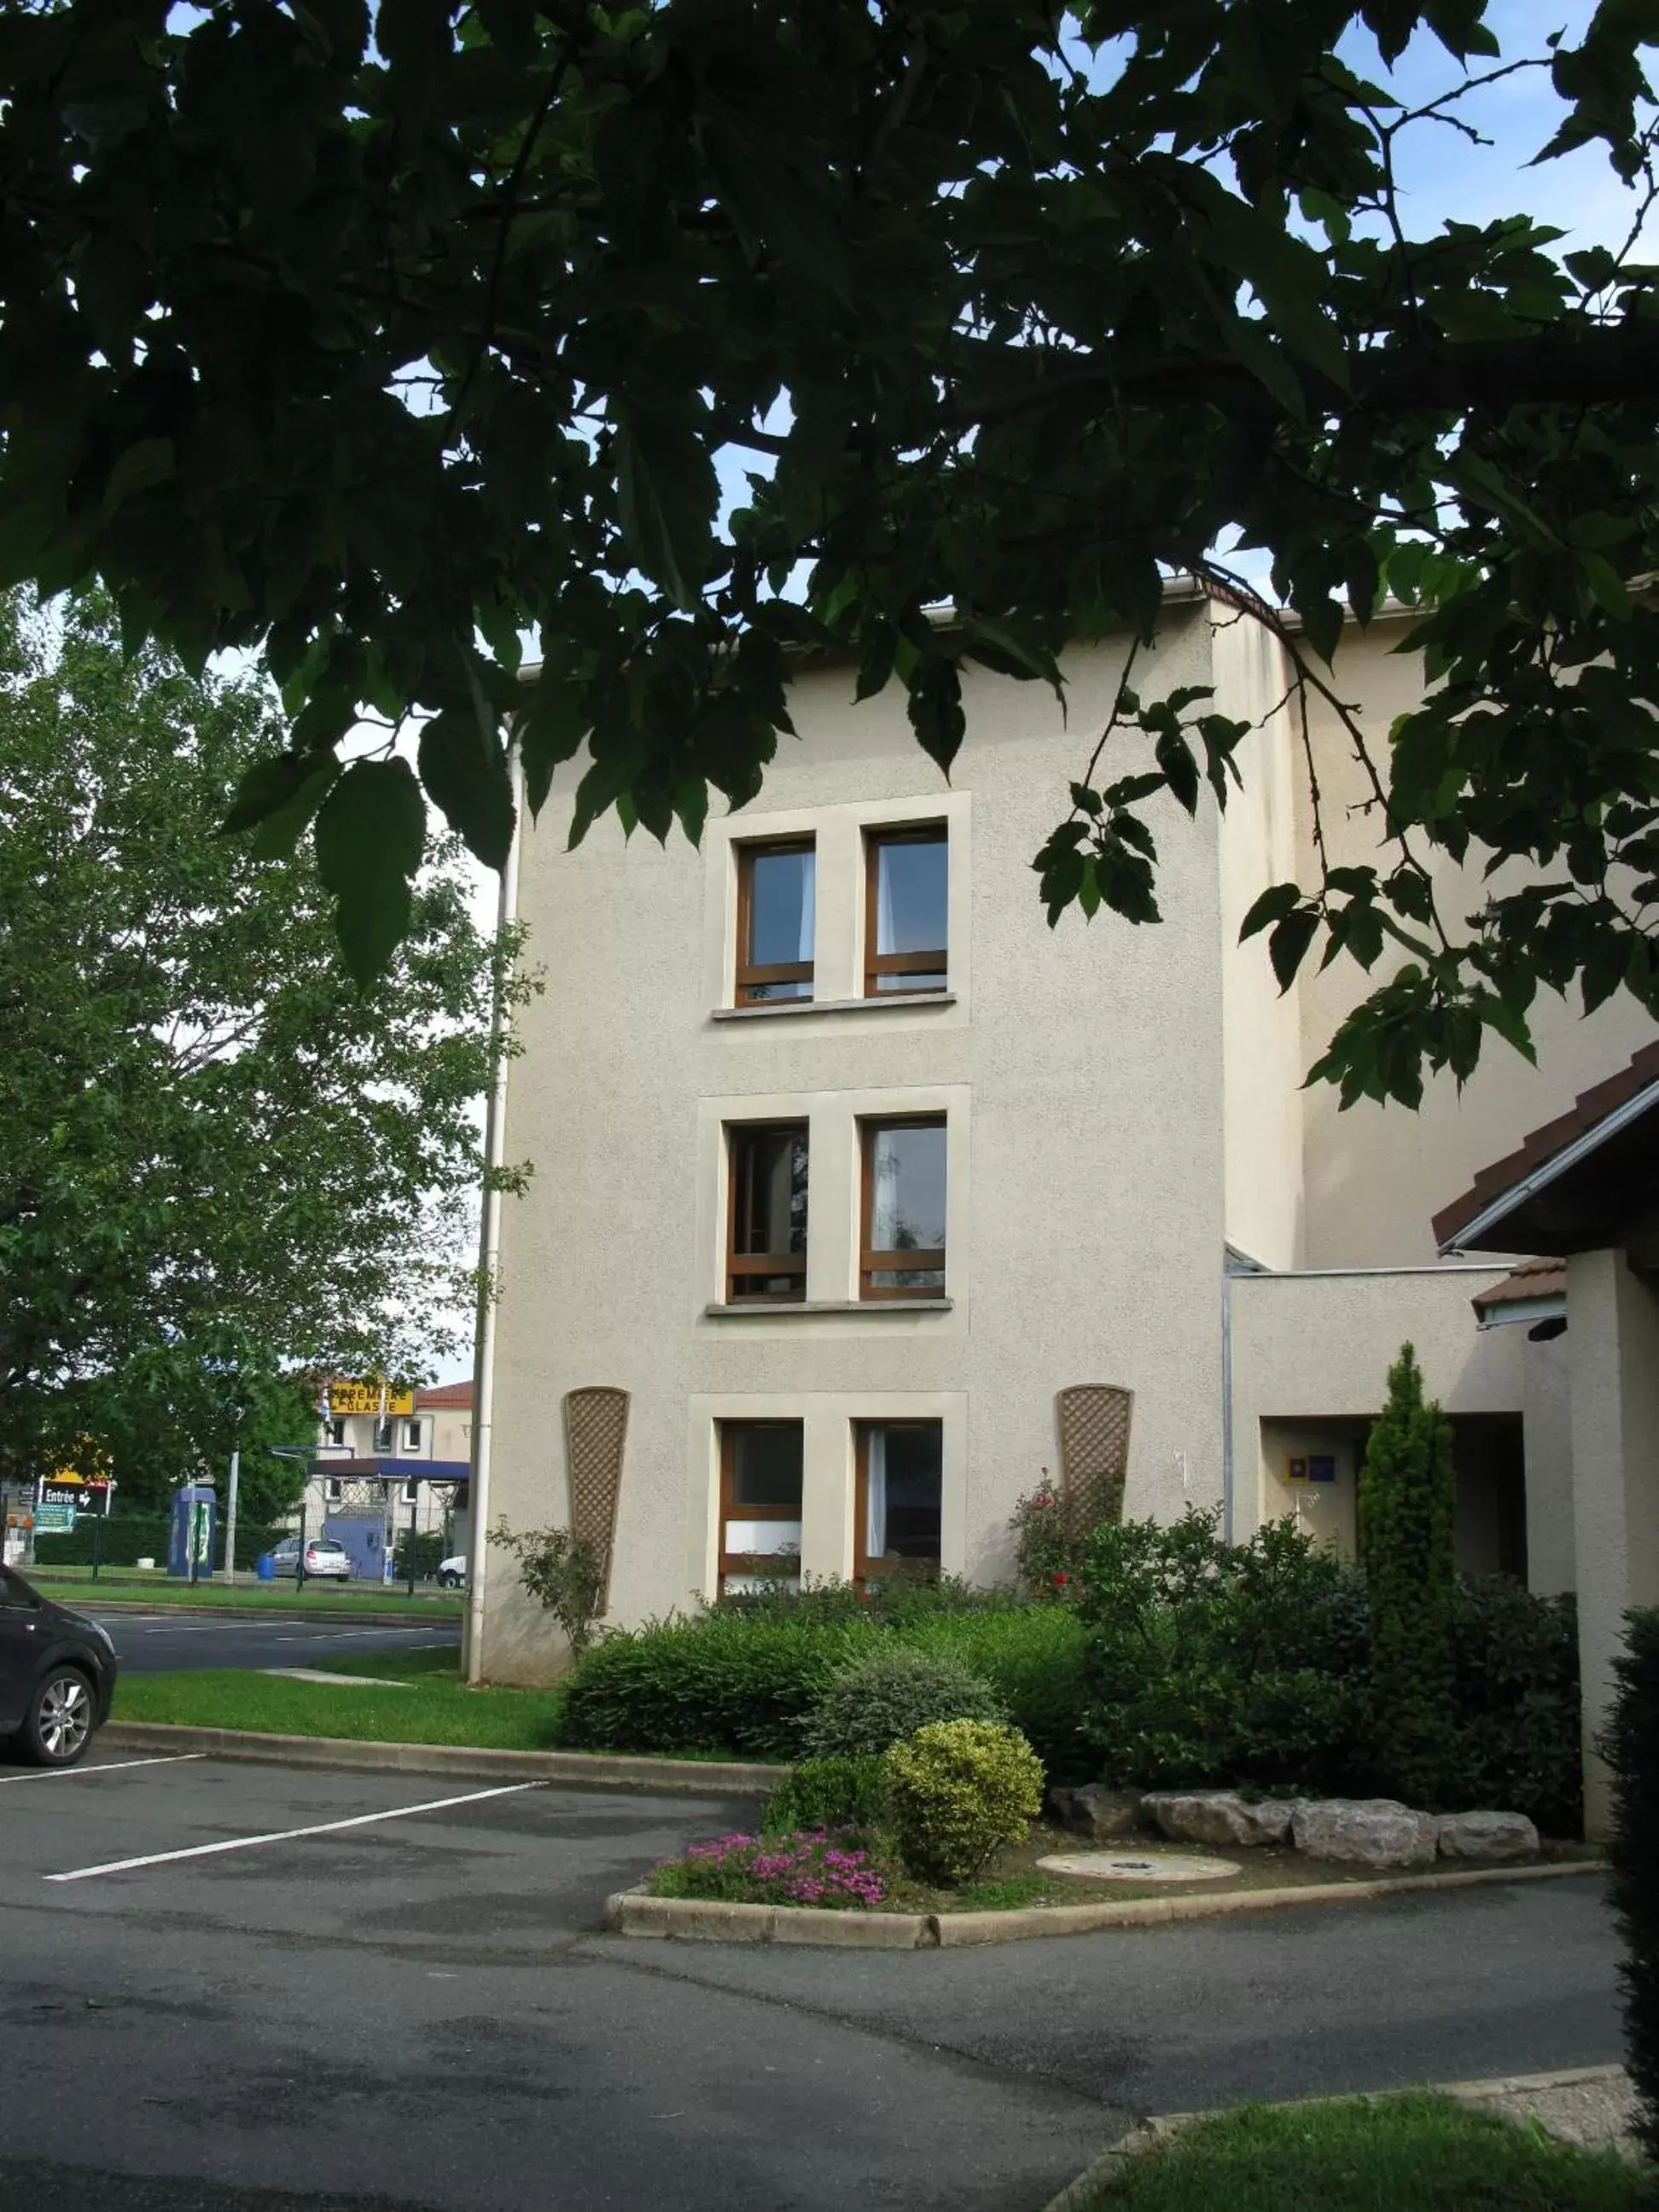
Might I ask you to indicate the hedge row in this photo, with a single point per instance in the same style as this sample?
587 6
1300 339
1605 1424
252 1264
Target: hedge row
725 1684
125 1539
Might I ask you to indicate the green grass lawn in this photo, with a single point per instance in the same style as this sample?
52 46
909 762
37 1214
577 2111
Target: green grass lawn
124 1586
437 1708
1417 2153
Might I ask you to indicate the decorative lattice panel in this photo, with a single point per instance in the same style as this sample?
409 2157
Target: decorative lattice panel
1094 1452
595 1431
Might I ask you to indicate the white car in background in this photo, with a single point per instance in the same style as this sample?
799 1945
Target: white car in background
452 1572
325 1560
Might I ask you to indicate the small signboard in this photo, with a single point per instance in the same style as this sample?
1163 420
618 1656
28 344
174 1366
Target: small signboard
52 1519
1298 1471
1322 1467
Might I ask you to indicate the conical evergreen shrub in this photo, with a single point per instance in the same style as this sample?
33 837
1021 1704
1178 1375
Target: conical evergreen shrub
1407 1493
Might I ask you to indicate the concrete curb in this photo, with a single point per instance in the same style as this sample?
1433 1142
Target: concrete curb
1079 2194
588 1769
700 1920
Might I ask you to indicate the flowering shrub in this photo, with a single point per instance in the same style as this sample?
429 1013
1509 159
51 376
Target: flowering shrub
811 1868
1048 1553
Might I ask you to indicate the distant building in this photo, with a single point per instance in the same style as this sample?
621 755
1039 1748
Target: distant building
400 1455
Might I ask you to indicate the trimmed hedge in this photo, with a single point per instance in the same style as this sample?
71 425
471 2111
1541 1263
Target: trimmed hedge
718 1683
1630 1746
125 1539
725 1682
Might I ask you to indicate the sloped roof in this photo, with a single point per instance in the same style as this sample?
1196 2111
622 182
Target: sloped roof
1488 1216
445 1394
1533 1278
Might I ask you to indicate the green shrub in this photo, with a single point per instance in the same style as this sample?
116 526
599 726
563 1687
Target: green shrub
895 1600
429 1550
125 1537
829 1793
1033 1657
889 1692
1407 1494
959 1792
715 1683
1208 1662
1517 1740
1630 1746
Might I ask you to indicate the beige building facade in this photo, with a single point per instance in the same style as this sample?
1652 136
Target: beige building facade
841 1033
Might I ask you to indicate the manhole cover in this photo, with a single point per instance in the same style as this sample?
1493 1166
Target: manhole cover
1136 1866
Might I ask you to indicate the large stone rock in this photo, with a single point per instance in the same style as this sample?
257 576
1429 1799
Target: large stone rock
1488 1836
1218 1816
1097 1810
1373 1832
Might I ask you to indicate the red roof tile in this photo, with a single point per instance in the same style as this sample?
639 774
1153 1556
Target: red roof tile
1537 1149
445 1394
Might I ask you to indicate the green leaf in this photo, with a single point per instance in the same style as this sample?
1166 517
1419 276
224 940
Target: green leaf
935 709
666 494
464 767
1274 903
370 836
1288 943
268 785
151 461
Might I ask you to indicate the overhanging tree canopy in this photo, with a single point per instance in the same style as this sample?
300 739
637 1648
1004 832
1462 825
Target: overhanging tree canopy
378 343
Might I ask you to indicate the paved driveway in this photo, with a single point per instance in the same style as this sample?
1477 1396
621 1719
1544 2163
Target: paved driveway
163 1642
388 1990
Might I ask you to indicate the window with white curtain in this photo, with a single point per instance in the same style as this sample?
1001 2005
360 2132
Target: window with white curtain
905 914
760 1525
901 1246
776 897
901 1475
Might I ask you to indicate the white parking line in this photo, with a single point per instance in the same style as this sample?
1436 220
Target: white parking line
289 1835
107 1766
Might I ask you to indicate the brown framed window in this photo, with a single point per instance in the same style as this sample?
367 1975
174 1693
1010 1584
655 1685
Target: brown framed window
902 1244
766 1238
776 886
901 1484
761 1464
907 881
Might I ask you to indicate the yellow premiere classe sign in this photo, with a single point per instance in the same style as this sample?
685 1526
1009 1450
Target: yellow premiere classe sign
367 1398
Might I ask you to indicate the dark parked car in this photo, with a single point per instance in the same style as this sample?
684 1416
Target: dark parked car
57 1674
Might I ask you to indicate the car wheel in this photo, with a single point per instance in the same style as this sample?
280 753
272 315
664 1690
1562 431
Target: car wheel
60 1719
449 1581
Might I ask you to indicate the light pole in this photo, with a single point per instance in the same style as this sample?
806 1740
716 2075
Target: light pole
308 1452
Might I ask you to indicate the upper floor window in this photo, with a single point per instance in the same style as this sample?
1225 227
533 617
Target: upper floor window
385 1434
775 891
902 1249
766 1257
336 1430
906 929
411 1436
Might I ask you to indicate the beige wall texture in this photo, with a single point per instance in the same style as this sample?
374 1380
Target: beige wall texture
1121 1105
1613 1350
1376 1176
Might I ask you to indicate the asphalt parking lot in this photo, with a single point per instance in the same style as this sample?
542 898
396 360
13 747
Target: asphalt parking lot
162 1643
226 1980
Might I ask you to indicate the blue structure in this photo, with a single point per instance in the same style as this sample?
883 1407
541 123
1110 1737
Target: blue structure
194 1528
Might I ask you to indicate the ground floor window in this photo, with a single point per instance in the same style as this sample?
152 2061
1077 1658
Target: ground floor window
761 1467
901 1480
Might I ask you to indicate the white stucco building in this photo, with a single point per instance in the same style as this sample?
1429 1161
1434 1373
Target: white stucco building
404 1456
845 1165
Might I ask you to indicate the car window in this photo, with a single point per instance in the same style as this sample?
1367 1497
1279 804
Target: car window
327 1544
15 1593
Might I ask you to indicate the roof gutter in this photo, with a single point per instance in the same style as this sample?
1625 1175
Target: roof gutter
1491 1216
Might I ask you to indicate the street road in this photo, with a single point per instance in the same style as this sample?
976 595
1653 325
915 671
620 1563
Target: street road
414 2012
162 1642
